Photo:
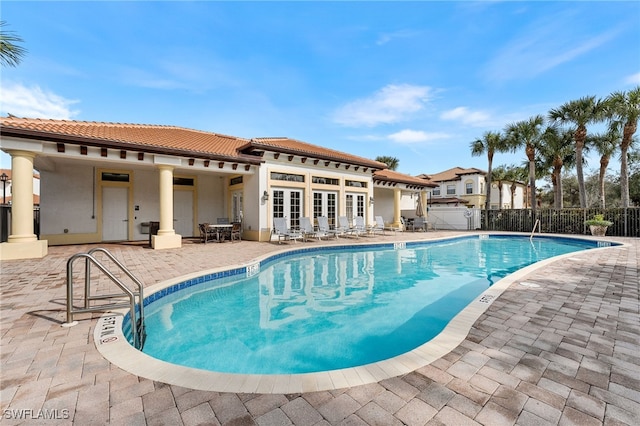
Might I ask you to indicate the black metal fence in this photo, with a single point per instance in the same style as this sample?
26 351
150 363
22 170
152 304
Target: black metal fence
626 222
5 221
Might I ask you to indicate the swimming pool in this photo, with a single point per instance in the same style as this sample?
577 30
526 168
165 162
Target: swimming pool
331 308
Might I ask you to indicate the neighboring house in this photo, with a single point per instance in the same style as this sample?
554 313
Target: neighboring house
459 186
6 187
107 181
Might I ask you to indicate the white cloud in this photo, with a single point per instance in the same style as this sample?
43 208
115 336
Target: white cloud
409 136
633 79
34 102
391 104
544 46
385 38
466 116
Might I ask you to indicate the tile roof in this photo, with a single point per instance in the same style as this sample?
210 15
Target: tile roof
293 146
452 174
143 137
449 200
169 140
388 175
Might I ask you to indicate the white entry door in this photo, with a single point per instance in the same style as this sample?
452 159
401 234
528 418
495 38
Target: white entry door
183 213
115 219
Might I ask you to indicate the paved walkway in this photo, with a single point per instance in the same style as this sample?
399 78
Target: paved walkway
566 352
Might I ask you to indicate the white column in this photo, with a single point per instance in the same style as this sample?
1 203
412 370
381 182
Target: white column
397 196
166 201
167 237
22 242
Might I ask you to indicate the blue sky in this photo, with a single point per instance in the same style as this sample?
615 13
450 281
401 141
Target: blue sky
414 80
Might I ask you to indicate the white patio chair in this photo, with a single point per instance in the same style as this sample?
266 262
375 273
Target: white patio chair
283 232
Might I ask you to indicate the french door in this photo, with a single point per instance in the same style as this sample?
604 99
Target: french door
355 206
325 203
288 203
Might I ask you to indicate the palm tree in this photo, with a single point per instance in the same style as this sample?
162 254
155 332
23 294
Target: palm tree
623 109
606 144
10 52
527 133
557 152
499 175
580 113
391 162
490 143
516 175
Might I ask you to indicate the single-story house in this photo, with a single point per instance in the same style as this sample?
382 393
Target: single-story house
103 182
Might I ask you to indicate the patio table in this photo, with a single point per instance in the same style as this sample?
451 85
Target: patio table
221 229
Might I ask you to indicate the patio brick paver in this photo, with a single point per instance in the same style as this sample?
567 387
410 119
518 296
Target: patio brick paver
564 353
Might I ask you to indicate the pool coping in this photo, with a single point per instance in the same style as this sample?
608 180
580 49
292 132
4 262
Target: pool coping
113 345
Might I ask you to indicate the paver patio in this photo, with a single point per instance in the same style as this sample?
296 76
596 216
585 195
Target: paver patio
566 352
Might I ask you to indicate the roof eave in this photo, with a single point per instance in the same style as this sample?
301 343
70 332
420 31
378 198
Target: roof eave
372 165
108 143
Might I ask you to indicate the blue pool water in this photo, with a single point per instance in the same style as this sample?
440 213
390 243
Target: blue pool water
328 308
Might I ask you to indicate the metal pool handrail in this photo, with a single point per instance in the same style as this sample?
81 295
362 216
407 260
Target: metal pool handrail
137 324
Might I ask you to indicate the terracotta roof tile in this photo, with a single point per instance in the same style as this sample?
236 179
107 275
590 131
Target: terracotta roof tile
388 175
452 174
140 136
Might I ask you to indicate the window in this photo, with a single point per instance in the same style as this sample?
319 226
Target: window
235 181
325 181
355 184
287 176
115 177
182 181
451 190
468 188
436 191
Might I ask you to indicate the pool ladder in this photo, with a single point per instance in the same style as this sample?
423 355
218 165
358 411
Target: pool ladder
136 315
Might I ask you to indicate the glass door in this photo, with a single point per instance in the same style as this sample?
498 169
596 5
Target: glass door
325 204
288 203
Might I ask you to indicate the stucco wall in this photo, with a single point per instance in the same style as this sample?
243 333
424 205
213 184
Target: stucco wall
67 201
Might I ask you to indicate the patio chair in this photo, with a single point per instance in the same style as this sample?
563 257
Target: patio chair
306 228
359 227
206 233
379 226
419 223
323 226
283 232
344 226
236 231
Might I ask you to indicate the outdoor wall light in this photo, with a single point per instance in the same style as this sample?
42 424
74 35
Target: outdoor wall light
265 196
4 178
371 200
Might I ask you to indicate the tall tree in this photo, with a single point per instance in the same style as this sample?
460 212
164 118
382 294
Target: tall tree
490 143
605 144
527 133
623 109
391 162
579 113
11 52
516 175
557 152
499 175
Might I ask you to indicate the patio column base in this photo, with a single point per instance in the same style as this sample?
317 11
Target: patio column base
23 250
167 241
